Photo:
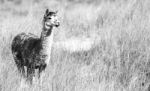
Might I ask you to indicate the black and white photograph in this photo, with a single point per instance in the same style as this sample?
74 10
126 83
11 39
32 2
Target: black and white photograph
74 45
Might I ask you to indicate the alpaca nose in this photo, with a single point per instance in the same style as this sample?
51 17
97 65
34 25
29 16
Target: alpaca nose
58 24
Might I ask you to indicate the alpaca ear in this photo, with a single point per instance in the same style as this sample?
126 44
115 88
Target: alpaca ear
47 11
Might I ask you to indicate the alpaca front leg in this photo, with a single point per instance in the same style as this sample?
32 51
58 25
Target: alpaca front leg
41 68
21 70
39 72
30 74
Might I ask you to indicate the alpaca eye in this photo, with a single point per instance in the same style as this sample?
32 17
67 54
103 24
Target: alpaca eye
49 18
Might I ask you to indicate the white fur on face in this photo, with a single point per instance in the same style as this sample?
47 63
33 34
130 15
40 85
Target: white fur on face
52 21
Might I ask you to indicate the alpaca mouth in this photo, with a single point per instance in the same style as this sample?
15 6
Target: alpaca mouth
56 25
48 25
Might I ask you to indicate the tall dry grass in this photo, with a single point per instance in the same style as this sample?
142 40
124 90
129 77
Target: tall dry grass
100 46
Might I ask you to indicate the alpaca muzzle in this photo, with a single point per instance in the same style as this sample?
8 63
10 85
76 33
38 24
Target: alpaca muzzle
58 24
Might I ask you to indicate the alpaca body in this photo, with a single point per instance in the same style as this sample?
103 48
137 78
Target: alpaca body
32 51
28 51
27 48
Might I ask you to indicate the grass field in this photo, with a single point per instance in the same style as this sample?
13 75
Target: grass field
101 45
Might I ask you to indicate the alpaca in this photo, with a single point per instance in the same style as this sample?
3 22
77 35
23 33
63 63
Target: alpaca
32 52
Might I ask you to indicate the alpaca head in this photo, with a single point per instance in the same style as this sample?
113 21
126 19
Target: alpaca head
50 19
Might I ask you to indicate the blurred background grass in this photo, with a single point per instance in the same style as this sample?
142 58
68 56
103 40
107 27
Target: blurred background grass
101 45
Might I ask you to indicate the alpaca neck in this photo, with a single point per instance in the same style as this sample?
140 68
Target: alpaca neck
46 42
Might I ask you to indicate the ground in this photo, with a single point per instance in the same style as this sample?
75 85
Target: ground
101 45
